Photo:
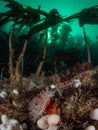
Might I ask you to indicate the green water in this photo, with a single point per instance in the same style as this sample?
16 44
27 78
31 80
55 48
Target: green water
65 8
62 36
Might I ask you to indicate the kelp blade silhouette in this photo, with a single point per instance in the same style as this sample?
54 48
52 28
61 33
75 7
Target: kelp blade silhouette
31 17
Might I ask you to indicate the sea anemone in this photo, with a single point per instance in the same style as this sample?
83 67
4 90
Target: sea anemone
42 123
94 114
39 103
9 124
49 122
91 127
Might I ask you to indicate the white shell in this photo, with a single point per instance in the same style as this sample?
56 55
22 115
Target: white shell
91 127
94 114
52 86
16 92
77 83
3 94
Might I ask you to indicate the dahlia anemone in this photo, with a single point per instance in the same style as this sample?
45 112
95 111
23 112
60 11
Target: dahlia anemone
39 103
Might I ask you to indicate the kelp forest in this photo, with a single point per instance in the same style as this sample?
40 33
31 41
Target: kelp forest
48 78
